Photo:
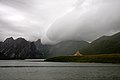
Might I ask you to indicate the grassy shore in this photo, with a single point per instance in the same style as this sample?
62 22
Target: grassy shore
101 58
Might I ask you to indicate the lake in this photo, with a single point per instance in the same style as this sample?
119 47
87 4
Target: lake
34 70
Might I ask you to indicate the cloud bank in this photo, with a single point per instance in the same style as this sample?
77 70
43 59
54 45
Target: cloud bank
89 20
30 18
53 21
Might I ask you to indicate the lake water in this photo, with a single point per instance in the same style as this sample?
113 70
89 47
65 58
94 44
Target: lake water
31 70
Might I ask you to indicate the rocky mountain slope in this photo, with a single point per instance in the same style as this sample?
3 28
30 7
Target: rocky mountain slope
19 49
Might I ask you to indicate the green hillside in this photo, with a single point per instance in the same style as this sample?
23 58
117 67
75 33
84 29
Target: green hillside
101 58
66 48
105 44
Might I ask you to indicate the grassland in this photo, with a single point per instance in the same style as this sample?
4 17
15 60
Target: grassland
99 58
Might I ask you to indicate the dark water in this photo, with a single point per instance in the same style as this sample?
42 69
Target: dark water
25 70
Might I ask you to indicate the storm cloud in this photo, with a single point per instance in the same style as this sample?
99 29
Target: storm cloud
53 21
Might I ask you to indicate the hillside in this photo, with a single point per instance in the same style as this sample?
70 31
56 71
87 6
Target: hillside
105 44
66 48
99 58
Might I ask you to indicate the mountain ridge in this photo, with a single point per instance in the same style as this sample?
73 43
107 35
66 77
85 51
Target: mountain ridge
104 44
22 49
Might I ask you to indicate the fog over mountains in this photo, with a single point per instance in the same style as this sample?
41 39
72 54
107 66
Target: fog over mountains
54 21
23 49
104 44
58 27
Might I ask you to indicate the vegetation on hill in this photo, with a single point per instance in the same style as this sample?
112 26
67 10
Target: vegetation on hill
105 44
66 48
101 58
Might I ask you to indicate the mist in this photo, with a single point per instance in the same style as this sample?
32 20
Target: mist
54 21
30 18
89 20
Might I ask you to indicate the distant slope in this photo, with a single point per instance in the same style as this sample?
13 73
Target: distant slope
66 48
105 44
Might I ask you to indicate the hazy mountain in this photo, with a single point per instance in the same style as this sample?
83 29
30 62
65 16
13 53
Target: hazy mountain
104 44
66 48
43 49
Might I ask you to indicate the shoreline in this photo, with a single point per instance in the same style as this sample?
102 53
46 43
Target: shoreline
99 58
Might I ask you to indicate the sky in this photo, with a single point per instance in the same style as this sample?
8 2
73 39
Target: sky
54 21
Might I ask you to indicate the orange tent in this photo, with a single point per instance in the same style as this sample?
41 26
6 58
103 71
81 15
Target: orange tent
77 54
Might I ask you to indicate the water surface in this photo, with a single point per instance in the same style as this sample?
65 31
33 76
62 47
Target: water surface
28 70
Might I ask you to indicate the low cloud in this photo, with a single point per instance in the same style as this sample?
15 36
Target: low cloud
30 18
58 20
89 20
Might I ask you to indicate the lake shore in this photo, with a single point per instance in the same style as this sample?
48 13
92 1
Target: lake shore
101 58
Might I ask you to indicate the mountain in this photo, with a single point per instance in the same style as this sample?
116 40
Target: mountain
66 48
18 49
2 56
22 49
43 49
104 44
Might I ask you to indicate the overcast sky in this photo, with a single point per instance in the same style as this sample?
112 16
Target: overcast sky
53 21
